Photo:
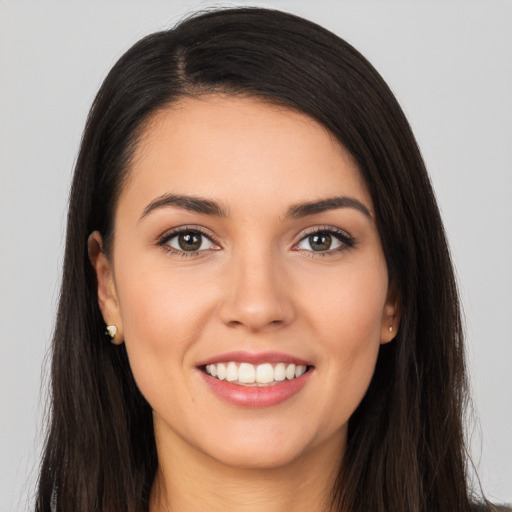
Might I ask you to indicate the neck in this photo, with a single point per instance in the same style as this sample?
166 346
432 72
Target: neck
189 481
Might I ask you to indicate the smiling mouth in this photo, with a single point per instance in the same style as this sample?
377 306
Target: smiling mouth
261 375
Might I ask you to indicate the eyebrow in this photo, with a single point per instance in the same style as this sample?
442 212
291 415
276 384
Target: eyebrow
191 203
209 207
331 203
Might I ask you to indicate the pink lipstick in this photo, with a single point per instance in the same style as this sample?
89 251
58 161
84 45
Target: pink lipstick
255 380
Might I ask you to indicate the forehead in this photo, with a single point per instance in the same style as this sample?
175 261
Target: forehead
239 147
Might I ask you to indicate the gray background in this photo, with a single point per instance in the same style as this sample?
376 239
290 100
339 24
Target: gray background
450 65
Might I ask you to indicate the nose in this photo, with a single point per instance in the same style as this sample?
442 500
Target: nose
257 293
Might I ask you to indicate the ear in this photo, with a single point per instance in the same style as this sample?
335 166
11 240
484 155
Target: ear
391 315
107 295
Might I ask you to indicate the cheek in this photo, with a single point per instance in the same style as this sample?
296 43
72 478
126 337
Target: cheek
351 304
158 306
348 319
162 315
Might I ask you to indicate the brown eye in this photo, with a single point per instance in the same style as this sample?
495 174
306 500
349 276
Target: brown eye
326 240
320 241
189 241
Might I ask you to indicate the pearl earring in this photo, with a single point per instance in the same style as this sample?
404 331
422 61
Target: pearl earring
111 332
390 329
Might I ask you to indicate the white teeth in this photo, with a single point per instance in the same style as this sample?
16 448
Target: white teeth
280 372
231 372
300 370
265 373
221 371
290 371
260 375
246 373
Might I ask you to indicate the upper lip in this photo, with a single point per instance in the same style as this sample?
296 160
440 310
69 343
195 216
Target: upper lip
241 356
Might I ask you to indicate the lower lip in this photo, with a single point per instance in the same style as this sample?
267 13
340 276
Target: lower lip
255 396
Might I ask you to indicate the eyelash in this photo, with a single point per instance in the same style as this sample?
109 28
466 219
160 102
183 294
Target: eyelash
164 240
346 241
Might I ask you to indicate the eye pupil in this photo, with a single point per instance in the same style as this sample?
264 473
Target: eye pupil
320 241
189 241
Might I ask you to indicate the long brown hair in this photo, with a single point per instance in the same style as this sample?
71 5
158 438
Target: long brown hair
405 447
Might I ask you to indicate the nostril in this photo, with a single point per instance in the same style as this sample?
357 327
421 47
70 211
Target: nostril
256 307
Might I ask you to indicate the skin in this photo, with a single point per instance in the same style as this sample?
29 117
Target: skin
258 286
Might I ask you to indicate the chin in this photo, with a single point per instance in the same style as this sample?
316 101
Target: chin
257 458
267 450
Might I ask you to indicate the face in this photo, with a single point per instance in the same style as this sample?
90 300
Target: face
247 281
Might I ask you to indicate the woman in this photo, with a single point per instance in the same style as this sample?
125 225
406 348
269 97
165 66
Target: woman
252 225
